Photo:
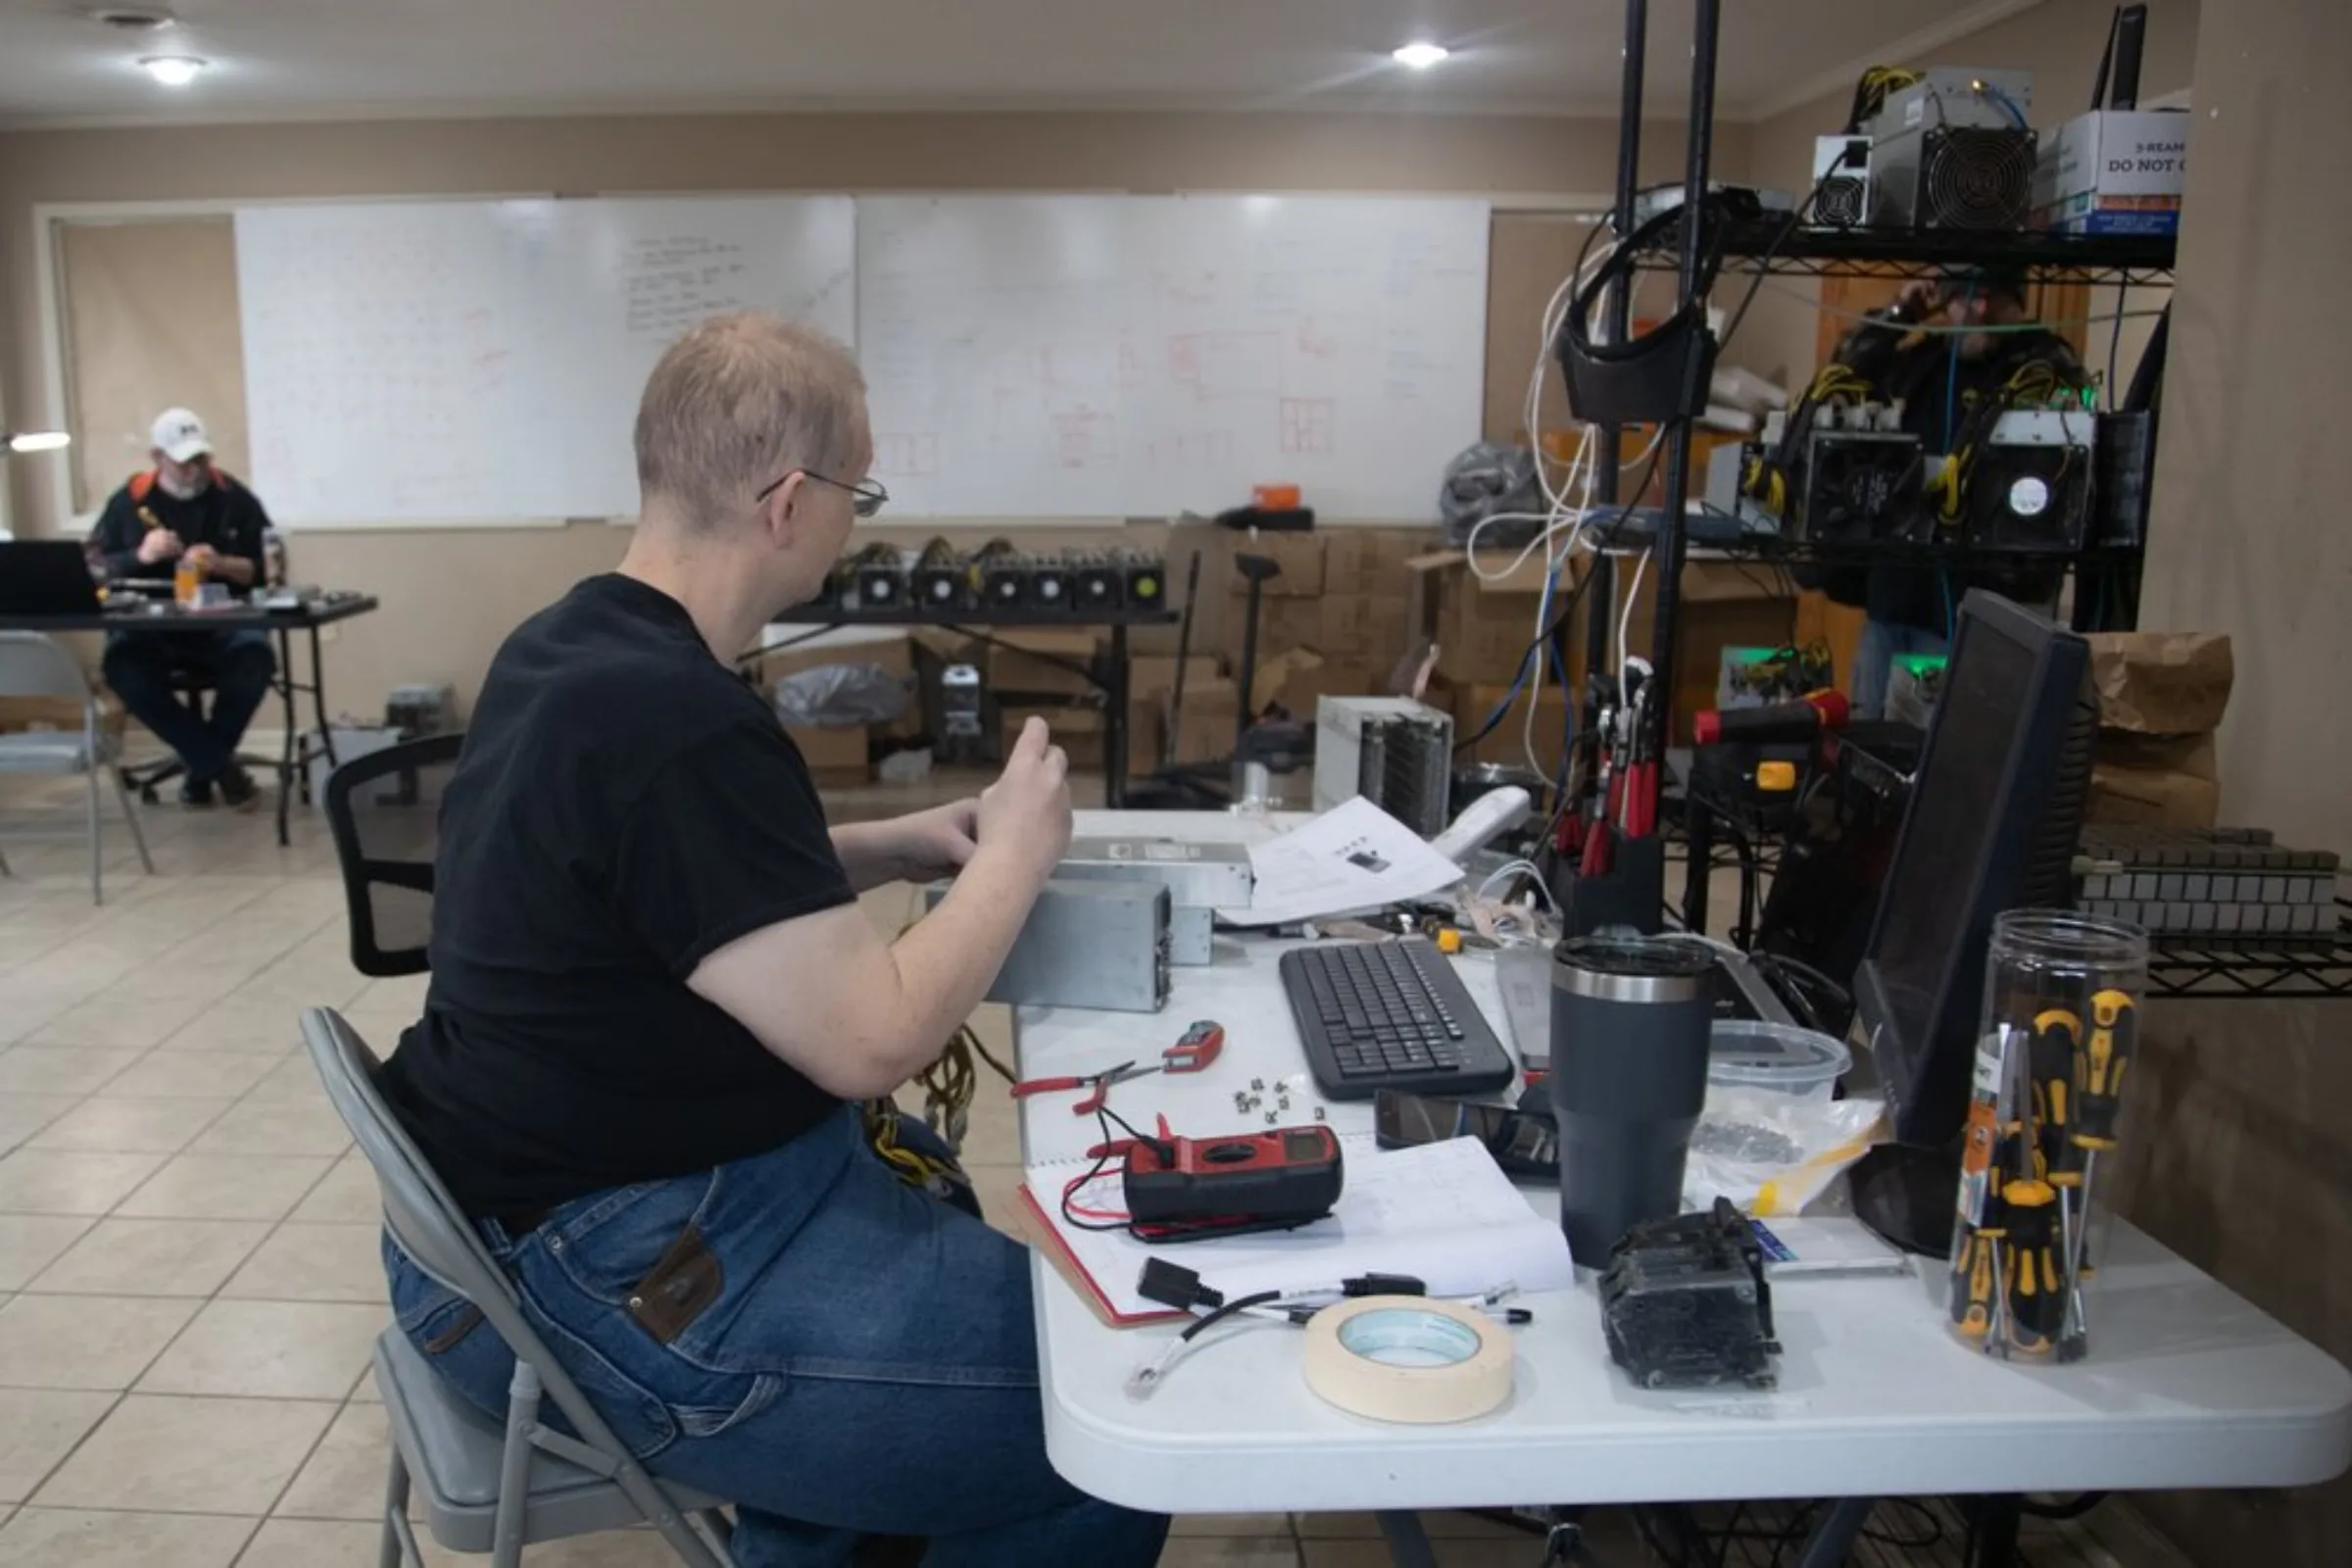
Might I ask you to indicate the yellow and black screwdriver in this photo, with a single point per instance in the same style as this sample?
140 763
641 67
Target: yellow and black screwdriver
2057 1043
2036 1301
2099 1068
1976 1293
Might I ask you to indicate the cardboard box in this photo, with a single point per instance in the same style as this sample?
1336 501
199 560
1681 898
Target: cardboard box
2162 683
1281 626
1300 678
893 650
1472 705
1154 674
2113 171
1210 711
1039 663
1299 554
836 754
61 714
1077 730
2166 782
1371 562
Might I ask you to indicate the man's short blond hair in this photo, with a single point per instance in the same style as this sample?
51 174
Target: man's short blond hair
736 404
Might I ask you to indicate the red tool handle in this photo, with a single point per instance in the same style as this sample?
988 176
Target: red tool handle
1799 720
1196 1049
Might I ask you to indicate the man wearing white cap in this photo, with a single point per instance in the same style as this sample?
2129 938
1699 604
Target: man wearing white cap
184 510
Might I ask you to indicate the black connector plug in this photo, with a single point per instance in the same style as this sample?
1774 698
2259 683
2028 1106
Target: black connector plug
1383 1285
1173 1285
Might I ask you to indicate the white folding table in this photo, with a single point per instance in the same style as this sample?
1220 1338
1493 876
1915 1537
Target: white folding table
2188 1384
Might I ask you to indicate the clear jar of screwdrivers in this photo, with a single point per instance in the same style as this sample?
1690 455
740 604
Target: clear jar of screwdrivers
2062 994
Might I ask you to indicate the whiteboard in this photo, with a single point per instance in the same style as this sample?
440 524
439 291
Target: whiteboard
444 362
1092 356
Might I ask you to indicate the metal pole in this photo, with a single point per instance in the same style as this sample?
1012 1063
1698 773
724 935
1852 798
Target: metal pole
1669 547
1600 597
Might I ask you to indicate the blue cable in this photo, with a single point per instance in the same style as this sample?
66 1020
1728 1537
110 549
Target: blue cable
2008 103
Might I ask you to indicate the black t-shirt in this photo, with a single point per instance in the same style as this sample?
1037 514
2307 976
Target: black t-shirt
625 806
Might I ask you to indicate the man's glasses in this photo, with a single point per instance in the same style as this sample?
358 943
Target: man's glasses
867 496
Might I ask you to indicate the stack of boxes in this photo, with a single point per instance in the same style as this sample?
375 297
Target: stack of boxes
2161 697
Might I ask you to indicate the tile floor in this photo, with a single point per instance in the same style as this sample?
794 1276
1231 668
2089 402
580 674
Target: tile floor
188 1276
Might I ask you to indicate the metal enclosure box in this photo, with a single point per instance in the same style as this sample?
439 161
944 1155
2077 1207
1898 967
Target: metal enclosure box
1087 944
1201 879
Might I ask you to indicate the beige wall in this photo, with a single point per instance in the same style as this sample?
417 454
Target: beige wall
450 596
2253 1102
2059 41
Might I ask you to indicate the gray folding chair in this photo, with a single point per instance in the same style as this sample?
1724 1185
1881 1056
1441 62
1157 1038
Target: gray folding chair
33 664
486 1490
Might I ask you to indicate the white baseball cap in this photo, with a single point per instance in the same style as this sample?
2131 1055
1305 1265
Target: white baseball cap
179 435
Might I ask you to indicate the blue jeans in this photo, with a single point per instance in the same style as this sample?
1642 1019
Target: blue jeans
237 665
837 1352
1882 642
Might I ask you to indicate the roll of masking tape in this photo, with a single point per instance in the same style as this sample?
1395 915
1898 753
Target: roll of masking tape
1408 1359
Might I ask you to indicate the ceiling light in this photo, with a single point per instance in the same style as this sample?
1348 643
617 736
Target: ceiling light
35 441
1419 55
173 70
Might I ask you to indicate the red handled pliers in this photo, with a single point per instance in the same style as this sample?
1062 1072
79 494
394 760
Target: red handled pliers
1097 1083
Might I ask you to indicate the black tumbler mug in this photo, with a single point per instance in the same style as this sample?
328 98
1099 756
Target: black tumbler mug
1630 1021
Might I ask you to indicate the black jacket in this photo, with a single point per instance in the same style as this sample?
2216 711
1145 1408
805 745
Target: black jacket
223 514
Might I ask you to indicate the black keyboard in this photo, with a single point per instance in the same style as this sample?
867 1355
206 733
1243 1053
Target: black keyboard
1378 1015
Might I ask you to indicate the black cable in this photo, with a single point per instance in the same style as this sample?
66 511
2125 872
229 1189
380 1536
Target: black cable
2115 349
1788 228
1239 1303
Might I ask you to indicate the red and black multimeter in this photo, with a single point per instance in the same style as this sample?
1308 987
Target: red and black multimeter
1219 1186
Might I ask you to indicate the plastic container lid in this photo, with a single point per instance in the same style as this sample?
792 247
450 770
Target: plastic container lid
1749 1054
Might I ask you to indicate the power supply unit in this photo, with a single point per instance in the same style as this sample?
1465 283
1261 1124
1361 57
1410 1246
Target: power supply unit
1954 176
1393 751
1098 583
1856 485
1051 585
1146 579
2030 488
1841 175
1201 879
1086 945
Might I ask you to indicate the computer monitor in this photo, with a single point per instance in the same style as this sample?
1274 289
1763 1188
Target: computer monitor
1995 813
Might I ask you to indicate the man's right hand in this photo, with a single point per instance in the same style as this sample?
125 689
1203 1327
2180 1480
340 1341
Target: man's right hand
157 544
1027 809
1918 299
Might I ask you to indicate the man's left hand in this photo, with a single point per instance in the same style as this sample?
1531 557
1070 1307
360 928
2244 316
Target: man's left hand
204 557
935 842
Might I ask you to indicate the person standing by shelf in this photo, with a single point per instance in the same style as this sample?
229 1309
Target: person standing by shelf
185 513
1938 377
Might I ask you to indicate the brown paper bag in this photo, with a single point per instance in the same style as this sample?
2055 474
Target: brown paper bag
2162 683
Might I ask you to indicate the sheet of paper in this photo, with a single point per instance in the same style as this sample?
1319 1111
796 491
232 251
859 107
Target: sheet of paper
1353 856
1443 1213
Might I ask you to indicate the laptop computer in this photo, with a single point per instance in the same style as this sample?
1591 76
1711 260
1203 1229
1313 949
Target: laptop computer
46 577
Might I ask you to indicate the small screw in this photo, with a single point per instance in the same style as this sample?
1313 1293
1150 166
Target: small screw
1257 1083
1270 1118
1318 1113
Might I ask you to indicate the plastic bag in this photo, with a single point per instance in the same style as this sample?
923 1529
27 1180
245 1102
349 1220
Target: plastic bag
1490 480
835 695
1773 1153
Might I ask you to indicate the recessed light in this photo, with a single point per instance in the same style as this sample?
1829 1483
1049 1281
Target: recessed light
1419 55
173 70
36 441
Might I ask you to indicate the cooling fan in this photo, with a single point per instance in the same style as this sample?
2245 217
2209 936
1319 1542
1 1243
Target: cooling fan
1975 178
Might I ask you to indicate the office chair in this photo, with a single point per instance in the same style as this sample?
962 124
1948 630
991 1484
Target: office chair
384 812
487 1489
34 665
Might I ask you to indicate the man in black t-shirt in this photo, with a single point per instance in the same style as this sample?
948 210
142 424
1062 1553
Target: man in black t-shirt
655 1005
186 511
